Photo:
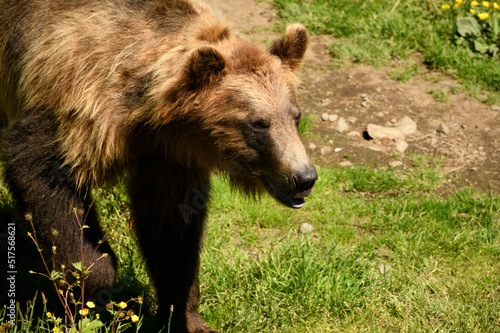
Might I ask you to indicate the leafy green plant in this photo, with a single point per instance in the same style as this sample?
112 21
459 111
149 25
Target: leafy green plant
477 24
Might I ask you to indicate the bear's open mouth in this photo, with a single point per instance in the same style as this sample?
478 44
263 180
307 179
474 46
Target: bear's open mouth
290 202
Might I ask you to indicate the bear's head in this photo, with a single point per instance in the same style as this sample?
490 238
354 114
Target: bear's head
245 99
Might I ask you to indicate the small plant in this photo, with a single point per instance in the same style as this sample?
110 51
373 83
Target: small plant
80 317
477 24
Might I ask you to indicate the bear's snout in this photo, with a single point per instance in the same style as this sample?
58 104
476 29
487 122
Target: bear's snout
304 180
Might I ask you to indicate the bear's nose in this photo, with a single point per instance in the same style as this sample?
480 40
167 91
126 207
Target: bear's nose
305 180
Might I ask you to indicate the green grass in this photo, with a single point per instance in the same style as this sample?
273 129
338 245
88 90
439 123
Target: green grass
388 253
377 32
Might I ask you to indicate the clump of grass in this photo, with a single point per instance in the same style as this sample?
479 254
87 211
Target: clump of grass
439 95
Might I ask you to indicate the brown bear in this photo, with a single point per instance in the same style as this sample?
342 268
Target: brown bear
159 91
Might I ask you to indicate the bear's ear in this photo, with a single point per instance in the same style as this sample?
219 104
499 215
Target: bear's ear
205 65
292 47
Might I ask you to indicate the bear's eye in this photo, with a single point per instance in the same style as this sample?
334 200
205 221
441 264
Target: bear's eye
298 117
259 124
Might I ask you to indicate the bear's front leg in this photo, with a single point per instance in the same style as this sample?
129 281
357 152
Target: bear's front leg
169 207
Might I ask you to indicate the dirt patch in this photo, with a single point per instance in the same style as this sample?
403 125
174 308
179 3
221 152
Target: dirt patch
341 103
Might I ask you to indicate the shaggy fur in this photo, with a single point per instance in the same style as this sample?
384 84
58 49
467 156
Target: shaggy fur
90 89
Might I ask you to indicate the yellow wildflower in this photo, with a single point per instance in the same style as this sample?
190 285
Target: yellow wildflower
495 5
55 329
486 3
122 305
472 11
483 16
90 304
446 6
135 318
457 5
54 248
97 316
459 1
475 3
84 312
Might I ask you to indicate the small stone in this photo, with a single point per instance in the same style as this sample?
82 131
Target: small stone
332 117
325 150
345 164
354 134
393 120
383 268
306 228
312 146
407 126
331 141
325 116
352 120
325 102
395 164
379 114
365 104
337 150
380 132
443 129
341 125
495 108
473 169
401 146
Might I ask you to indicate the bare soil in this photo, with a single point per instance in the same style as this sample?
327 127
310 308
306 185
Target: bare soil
461 132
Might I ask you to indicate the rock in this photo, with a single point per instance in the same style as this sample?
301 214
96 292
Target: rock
332 117
380 132
433 141
325 102
365 104
312 146
407 126
401 146
379 114
354 134
306 228
325 150
495 108
352 120
341 125
337 150
395 164
443 129
345 164
384 268
325 116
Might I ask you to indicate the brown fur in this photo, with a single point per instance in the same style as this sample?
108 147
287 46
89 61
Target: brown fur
160 89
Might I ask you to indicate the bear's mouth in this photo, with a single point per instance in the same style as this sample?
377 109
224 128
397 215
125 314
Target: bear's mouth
295 201
290 202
